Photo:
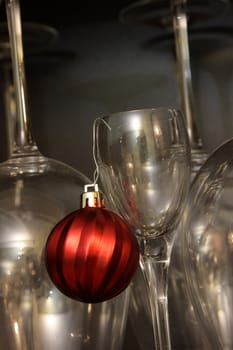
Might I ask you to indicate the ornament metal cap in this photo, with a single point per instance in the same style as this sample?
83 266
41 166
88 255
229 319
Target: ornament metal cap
91 197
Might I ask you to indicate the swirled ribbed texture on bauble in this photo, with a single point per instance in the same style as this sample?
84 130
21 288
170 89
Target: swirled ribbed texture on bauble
91 255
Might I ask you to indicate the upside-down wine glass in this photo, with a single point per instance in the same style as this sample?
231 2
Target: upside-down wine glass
143 158
35 193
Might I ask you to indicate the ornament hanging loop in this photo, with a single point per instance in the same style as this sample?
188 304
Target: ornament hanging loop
97 120
92 197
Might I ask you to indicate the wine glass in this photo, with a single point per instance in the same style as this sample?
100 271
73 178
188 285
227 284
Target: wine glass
207 247
143 159
35 193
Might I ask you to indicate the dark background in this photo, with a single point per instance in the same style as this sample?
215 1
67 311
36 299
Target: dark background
97 65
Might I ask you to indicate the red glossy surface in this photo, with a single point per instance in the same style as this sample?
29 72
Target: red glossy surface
91 255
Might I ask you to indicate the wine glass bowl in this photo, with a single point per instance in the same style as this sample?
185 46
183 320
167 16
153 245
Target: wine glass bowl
37 192
143 167
31 203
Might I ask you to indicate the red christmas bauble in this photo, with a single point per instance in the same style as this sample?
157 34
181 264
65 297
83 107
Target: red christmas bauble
91 255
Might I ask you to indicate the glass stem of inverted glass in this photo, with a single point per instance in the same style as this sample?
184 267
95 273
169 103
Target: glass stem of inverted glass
23 141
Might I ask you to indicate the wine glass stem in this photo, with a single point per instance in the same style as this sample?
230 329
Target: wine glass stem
23 136
10 112
155 259
157 275
184 75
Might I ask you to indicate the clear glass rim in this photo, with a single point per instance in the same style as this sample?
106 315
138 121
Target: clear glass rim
175 111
